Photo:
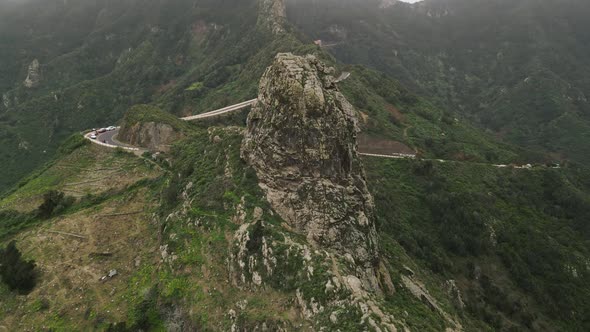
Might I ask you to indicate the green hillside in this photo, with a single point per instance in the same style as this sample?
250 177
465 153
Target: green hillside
511 241
105 57
515 68
515 241
470 237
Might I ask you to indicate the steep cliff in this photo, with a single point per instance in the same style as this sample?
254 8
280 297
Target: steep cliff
301 141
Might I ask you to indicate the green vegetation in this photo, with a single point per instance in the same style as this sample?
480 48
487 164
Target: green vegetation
507 67
99 60
54 202
394 113
12 222
516 240
197 86
20 275
146 113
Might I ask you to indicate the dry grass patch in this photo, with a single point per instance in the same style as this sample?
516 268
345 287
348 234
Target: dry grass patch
73 253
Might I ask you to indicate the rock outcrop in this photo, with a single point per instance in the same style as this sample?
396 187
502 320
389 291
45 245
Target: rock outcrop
151 135
272 15
301 141
151 128
34 75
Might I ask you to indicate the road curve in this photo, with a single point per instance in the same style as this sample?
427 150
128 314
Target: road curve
108 139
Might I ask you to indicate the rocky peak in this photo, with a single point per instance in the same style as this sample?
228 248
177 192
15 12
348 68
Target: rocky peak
33 74
272 15
301 141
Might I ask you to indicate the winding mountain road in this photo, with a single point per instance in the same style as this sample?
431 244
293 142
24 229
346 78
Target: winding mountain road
344 76
108 139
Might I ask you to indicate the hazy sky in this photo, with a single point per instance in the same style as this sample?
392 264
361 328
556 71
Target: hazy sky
411 1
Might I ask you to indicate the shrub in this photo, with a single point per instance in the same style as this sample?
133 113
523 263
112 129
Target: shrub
54 202
170 194
16 273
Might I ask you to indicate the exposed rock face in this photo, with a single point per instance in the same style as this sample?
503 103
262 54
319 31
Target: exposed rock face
34 75
272 14
5 101
150 135
301 141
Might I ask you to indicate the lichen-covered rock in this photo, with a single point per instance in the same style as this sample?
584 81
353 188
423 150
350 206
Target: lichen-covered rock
301 141
33 74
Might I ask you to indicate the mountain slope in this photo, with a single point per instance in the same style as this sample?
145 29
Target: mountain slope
515 67
189 57
466 245
207 236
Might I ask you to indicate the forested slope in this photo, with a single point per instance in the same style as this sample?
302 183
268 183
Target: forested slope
516 68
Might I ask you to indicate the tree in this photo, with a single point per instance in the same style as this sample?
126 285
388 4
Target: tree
54 202
17 273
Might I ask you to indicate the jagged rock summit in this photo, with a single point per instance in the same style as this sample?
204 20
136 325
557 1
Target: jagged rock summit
301 141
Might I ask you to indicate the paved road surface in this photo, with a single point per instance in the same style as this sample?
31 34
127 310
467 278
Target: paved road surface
392 155
109 139
221 111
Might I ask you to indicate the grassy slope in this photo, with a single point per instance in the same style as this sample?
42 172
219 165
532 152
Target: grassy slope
196 204
115 194
422 126
410 209
216 181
